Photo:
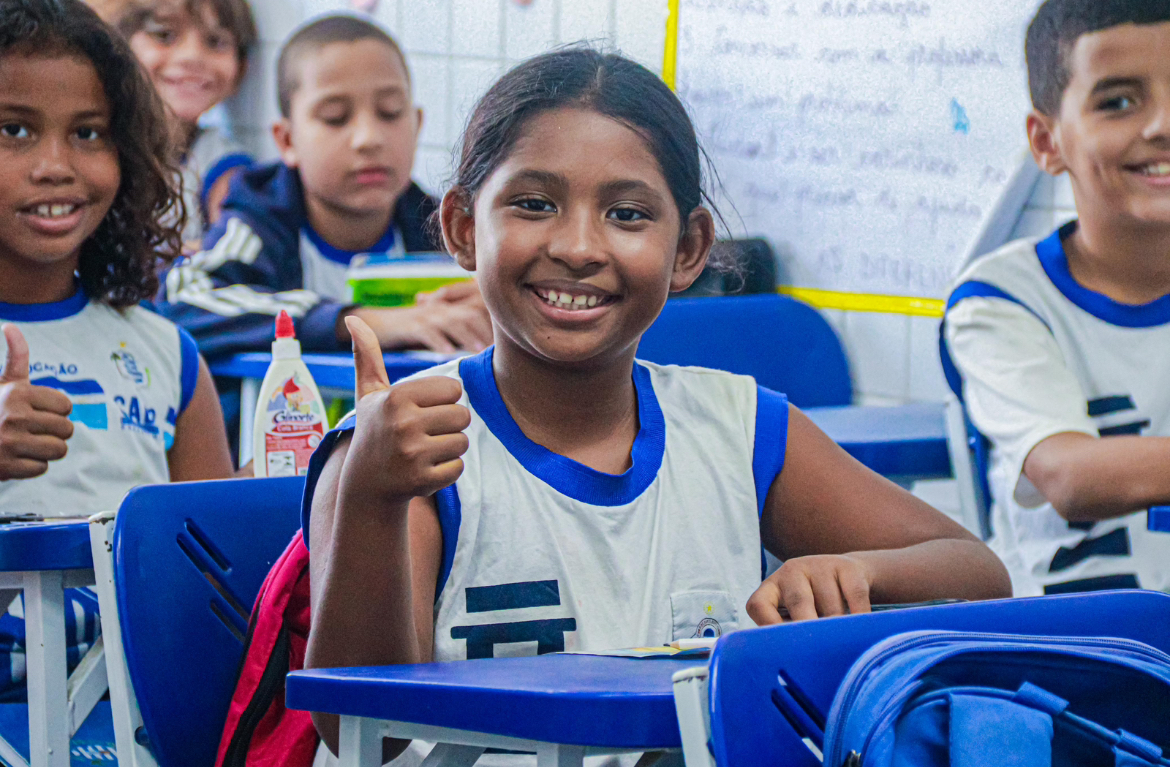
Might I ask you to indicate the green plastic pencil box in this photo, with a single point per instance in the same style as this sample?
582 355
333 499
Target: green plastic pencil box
377 280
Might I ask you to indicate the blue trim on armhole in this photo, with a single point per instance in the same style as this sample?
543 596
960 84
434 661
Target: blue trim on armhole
189 370
771 441
1054 260
316 464
450 517
565 475
972 289
221 166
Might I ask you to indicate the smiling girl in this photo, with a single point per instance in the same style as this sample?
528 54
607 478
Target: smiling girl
554 492
195 52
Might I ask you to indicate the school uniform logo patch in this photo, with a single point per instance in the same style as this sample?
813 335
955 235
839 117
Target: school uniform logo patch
128 366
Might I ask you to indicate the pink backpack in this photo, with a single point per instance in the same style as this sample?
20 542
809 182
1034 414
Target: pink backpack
260 731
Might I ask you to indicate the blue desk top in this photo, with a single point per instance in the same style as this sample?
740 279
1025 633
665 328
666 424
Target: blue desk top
907 442
332 370
581 700
53 545
1158 519
904 443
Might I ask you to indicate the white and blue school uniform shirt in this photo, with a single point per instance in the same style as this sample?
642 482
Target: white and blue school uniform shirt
326 268
543 554
129 374
1040 355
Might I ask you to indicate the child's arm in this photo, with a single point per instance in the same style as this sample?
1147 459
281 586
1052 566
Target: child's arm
375 542
850 537
201 449
34 420
1087 479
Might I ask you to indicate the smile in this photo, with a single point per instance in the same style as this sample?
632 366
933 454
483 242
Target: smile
53 211
571 302
1155 169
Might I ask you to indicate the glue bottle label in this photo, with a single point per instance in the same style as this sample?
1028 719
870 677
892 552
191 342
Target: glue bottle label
294 426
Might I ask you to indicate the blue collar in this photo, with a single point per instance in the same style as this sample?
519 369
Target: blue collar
565 475
57 310
1055 262
343 257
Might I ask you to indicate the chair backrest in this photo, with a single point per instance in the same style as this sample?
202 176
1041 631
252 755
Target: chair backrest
784 344
189 560
965 438
765 683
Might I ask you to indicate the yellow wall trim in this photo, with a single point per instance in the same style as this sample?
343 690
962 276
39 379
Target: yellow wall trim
670 57
866 302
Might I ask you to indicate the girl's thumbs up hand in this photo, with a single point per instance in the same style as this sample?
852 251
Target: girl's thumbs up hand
409 437
34 420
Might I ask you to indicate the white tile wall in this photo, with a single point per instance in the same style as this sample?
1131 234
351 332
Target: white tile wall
456 49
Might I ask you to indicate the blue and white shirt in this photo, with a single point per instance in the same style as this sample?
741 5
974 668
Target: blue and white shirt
129 374
1040 355
543 554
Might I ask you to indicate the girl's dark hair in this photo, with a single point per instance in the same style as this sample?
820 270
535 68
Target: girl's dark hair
119 261
606 83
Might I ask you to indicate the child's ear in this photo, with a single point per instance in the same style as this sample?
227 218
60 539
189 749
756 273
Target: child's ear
693 248
282 135
458 227
1044 140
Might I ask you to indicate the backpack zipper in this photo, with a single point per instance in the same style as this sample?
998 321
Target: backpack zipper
881 653
271 682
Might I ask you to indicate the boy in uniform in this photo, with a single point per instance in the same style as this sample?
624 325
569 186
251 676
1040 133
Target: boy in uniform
1063 345
289 230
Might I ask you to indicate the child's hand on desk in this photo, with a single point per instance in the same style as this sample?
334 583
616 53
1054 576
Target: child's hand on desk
34 420
409 437
455 293
437 325
811 587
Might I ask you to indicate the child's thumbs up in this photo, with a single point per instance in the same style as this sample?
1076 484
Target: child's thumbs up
16 366
369 367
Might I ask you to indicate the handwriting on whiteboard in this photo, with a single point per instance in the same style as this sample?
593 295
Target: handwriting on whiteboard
866 139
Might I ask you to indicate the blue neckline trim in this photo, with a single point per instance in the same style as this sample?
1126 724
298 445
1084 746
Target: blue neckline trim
565 475
343 257
1054 260
57 310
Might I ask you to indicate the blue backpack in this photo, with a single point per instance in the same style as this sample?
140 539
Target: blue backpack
958 699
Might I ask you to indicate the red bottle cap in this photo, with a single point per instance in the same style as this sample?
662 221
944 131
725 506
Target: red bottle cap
284 326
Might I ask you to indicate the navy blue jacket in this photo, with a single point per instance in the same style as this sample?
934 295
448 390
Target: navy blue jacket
227 295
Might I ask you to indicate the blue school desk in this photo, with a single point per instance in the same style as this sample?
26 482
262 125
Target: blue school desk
905 443
563 707
332 372
43 558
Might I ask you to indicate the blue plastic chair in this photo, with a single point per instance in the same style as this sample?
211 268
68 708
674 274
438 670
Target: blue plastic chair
189 560
784 344
771 688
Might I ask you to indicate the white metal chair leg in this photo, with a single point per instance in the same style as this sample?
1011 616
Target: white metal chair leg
48 713
87 685
359 742
694 718
451 755
123 703
560 756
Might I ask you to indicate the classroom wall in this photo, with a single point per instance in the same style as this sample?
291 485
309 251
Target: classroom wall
457 47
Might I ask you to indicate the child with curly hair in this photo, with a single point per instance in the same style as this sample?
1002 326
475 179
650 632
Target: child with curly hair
97 394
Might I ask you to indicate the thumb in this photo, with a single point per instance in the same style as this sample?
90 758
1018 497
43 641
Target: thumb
369 367
16 366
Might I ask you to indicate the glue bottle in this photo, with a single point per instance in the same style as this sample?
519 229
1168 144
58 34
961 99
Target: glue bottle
290 416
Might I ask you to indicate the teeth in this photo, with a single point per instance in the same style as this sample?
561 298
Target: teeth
1157 169
568 301
54 211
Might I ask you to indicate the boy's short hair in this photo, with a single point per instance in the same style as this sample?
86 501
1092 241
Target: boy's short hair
1055 31
234 15
335 28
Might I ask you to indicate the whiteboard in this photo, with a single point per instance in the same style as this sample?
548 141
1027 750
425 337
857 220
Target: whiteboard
867 140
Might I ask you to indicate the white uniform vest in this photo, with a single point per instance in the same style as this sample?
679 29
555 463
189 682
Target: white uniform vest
129 374
1120 356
